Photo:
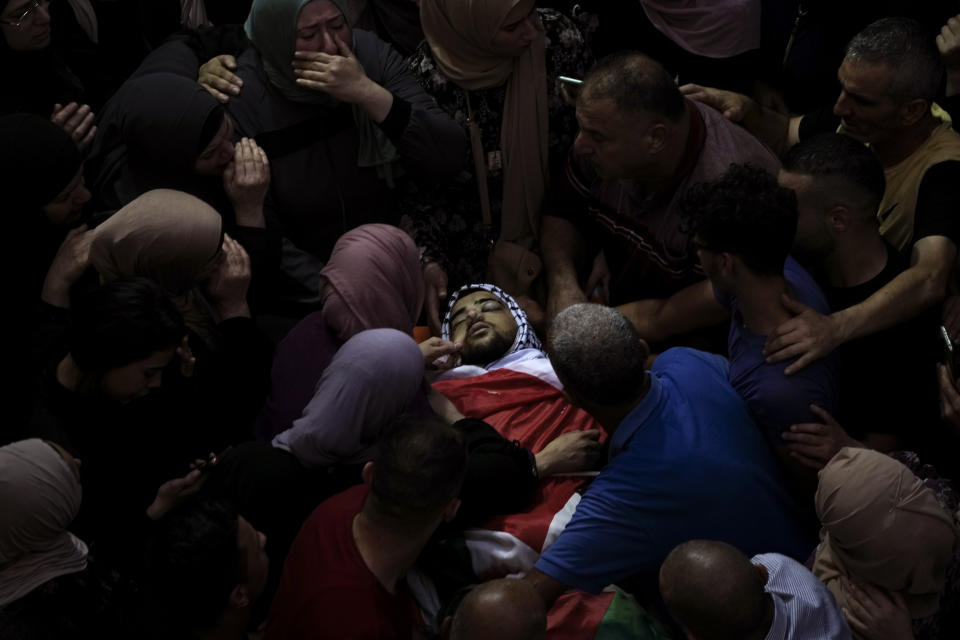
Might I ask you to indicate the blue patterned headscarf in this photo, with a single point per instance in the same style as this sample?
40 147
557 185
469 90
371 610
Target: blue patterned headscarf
526 338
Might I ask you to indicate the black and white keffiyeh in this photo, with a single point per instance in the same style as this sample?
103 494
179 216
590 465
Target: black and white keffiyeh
526 338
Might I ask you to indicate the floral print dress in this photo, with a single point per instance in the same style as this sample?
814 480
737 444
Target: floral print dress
445 219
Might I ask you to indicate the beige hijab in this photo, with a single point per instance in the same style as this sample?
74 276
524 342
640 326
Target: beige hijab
881 525
40 498
460 34
169 236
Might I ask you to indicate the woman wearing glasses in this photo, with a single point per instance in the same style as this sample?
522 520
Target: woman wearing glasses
56 61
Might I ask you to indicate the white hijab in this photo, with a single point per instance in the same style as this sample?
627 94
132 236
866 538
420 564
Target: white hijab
40 497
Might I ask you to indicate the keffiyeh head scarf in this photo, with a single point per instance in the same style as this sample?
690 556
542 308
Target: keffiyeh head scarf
883 526
526 338
40 497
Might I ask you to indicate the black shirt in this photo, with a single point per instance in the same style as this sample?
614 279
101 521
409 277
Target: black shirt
887 380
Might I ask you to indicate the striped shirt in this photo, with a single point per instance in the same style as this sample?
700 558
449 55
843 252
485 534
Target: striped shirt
803 607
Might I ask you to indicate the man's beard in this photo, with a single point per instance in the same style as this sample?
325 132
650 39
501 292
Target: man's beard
487 349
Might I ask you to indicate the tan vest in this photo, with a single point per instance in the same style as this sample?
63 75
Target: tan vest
898 208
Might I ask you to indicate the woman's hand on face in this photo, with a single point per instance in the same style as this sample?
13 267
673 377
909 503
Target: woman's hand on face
342 77
339 75
245 181
229 283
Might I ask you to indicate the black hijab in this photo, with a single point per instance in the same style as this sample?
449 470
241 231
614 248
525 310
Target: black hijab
150 135
38 160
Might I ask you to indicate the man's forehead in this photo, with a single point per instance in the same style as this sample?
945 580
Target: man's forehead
870 79
603 116
474 297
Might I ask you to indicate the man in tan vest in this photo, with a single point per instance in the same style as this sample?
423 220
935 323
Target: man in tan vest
889 77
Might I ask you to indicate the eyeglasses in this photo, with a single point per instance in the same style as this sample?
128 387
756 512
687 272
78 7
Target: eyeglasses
27 15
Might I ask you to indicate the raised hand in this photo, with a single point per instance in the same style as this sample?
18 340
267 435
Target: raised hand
78 121
246 180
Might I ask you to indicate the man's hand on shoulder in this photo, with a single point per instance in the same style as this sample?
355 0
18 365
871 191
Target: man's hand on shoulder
808 336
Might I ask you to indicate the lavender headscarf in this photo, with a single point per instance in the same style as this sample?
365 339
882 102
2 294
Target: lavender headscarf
372 379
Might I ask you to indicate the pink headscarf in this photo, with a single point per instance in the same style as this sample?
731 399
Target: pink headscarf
713 29
375 281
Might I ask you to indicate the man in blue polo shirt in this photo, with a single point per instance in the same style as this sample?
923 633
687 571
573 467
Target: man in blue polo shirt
686 461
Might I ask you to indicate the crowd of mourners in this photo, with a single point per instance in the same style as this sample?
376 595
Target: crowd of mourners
465 319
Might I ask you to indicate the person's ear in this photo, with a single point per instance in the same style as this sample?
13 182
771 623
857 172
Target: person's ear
239 597
367 475
645 347
450 511
657 137
838 218
912 112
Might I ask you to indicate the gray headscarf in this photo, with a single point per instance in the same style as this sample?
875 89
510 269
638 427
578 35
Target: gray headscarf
40 498
272 28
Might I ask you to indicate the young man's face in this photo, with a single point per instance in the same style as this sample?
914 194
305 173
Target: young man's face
483 324
131 381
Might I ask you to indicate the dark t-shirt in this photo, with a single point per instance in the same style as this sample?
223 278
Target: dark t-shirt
938 199
775 399
887 380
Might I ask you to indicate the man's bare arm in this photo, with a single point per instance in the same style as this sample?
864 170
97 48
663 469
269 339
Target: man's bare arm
563 252
811 335
688 309
776 130
547 587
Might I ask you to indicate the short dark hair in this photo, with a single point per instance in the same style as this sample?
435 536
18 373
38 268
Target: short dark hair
597 354
419 466
836 155
194 562
713 590
635 83
743 212
903 45
121 322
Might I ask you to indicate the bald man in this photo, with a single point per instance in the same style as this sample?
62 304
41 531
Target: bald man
715 592
504 609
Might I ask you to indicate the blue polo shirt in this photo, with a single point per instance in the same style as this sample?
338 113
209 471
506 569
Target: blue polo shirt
688 462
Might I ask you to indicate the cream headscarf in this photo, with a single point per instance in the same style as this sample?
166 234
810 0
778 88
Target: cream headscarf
881 525
170 237
460 34
40 498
